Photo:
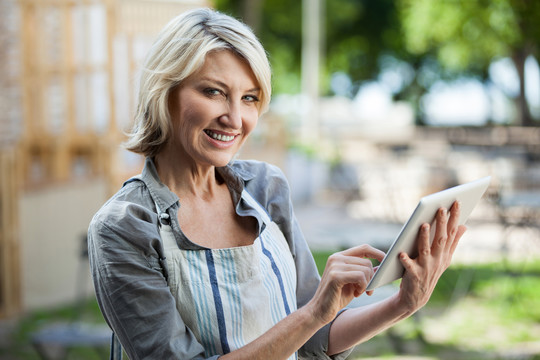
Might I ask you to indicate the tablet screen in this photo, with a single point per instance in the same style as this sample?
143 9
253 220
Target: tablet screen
468 195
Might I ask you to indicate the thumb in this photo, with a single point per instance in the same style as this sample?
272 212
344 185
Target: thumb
406 261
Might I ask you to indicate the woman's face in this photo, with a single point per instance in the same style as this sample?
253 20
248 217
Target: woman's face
214 110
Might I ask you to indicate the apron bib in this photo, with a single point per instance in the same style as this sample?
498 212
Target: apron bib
229 297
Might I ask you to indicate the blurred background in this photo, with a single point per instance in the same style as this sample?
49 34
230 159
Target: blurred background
375 104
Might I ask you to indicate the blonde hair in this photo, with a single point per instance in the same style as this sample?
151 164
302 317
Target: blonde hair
180 51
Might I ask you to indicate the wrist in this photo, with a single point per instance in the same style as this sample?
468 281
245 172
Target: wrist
314 316
402 307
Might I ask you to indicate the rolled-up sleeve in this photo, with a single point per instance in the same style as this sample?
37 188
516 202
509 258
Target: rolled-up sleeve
131 289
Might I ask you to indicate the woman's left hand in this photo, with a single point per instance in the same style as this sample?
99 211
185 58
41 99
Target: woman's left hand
423 272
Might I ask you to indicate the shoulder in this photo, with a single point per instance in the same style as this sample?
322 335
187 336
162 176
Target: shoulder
126 219
132 197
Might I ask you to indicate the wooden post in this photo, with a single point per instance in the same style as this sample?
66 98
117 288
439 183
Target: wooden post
28 82
10 269
110 8
62 156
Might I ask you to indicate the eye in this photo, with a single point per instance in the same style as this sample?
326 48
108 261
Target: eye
212 92
250 98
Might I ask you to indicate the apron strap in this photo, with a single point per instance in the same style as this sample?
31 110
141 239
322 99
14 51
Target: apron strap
165 230
255 204
116 348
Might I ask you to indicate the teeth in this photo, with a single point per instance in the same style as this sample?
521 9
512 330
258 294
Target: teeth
219 137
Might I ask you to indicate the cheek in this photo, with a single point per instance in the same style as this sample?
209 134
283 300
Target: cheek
252 119
193 110
184 127
189 120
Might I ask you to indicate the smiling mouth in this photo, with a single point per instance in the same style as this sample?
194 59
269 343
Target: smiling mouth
219 137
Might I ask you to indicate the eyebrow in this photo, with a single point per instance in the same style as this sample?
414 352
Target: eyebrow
222 84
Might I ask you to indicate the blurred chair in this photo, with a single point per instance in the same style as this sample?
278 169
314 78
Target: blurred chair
518 208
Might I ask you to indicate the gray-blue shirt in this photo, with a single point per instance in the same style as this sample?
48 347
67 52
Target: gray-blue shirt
129 274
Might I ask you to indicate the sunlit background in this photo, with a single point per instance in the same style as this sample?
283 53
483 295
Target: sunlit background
376 103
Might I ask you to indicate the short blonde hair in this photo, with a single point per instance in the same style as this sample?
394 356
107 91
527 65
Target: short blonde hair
180 51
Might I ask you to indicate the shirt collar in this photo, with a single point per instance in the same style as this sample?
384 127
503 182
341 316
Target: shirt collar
162 196
245 173
234 174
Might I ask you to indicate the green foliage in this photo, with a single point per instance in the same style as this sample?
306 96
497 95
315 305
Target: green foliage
357 34
514 286
466 36
463 34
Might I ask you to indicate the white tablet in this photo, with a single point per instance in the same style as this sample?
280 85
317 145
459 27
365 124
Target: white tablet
467 194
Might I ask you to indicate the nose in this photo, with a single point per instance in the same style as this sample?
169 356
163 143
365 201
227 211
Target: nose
232 116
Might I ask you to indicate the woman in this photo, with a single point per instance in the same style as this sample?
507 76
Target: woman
201 256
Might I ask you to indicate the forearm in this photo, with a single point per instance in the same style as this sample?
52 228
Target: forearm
357 325
282 340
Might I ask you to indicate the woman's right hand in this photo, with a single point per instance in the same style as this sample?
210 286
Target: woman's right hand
346 276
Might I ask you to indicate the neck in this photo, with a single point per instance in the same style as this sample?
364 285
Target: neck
185 177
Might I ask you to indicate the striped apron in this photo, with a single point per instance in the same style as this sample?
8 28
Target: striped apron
229 297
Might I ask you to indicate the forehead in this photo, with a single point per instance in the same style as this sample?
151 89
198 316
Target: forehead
226 66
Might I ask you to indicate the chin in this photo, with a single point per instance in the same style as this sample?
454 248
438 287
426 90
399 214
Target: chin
224 163
221 161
